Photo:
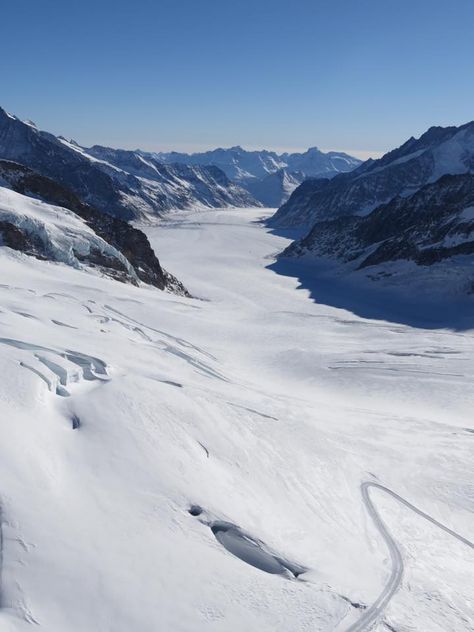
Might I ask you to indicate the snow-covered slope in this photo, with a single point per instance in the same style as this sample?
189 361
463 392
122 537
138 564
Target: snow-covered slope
316 164
172 186
276 187
55 234
426 239
121 183
401 172
40 217
269 176
144 436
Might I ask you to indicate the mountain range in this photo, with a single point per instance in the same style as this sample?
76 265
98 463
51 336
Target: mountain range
395 217
413 206
142 185
403 171
125 184
240 458
270 177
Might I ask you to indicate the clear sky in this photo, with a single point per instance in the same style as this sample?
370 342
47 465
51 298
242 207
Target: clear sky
354 75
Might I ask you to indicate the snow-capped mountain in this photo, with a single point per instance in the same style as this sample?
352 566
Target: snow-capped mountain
125 184
41 218
402 239
251 169
274 188
237 163
173 186
240 164
401 172
314 163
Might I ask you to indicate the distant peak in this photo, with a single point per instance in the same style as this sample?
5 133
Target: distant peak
6 114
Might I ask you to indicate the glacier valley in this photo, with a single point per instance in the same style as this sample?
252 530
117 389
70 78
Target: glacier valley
222 462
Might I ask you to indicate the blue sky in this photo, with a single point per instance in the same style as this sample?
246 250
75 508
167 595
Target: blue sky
354 75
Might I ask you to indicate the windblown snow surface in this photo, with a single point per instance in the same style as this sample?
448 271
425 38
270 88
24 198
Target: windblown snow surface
212 463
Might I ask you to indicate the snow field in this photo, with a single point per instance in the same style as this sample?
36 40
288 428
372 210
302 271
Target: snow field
261 406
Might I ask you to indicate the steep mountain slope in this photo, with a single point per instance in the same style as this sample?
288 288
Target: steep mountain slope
251 169
401 172
316 164
178 186
435 225
274 188
121 183
46 220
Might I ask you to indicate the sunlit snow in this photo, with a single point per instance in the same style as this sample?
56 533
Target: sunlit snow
196 464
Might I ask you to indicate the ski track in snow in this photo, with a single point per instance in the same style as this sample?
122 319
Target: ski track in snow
374 612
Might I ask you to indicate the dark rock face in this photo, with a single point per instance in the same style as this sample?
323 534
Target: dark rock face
434 224
16 239
131 242
121 183
21 239
400 172
46 155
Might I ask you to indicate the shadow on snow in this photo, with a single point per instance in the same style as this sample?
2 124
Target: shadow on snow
362 298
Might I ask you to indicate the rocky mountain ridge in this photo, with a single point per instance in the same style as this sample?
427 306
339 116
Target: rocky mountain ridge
433 224
400 172
118 182
44 220
262 172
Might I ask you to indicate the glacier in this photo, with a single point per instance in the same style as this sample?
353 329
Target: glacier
137 426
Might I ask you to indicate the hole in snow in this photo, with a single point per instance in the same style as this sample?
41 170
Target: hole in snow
195 510
251 551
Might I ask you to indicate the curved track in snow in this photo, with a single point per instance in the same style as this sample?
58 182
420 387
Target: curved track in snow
376 609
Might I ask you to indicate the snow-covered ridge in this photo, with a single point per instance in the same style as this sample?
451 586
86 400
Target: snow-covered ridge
121 183
180 185
402 171
57 234
240 164
426 239
35 221
269 176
